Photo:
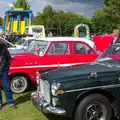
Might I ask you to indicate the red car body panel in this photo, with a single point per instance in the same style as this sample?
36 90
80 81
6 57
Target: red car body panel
103 41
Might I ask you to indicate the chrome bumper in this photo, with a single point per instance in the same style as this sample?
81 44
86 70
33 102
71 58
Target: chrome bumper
45 107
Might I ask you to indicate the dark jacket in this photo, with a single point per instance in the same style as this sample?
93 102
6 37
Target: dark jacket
5 57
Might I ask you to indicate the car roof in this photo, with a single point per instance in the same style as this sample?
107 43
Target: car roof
91 43
26 38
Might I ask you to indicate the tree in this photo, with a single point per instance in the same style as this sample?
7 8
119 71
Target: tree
59 22
107 19
100 23
47 15
22 4
112 12
106 2
38 19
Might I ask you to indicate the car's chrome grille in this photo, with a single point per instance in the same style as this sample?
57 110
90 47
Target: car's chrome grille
45 90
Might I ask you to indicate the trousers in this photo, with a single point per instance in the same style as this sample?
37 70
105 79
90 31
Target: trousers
6 87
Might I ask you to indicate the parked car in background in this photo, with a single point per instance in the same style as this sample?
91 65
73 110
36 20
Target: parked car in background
22 45
46 54
24 42
16 51
103 41
35 30
84 92
12 47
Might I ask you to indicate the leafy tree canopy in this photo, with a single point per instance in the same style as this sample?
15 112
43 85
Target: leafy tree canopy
22 4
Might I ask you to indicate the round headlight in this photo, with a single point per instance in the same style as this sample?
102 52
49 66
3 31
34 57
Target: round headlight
54 88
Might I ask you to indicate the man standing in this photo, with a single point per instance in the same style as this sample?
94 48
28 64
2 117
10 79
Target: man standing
5 60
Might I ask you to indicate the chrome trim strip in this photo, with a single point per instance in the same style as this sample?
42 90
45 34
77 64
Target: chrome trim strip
102 87
43 66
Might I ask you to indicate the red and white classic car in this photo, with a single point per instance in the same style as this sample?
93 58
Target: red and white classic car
48 53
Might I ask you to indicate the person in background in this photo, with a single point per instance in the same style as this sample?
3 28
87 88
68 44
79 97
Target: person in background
116 33
2 34
5 60
8 37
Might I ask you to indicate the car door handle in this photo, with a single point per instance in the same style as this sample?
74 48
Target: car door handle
70 57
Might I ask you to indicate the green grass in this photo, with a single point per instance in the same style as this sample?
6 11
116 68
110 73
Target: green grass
25 110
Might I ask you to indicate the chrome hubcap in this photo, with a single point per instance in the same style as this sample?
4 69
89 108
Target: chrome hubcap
96 111
18 84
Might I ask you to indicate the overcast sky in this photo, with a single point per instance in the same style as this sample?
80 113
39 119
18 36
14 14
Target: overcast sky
83 7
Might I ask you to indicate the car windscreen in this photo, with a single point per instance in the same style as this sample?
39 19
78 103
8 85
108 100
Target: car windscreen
21 41
37 30
38 47
112 53
27 42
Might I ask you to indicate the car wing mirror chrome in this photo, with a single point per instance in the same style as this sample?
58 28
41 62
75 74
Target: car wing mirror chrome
12 57
92 76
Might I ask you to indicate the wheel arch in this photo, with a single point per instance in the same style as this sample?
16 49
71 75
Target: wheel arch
20 74
103 92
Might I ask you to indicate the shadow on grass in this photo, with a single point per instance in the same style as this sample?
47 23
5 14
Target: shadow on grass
22 99
55 117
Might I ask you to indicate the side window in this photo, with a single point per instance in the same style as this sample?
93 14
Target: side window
60 48
81 48
25 43
29 41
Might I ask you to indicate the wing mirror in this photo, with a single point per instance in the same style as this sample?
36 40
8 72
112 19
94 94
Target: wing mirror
12 57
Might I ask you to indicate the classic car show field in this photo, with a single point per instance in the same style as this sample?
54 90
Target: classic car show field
60 62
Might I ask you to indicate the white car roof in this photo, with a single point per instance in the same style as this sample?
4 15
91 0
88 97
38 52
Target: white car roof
28 38
91 43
